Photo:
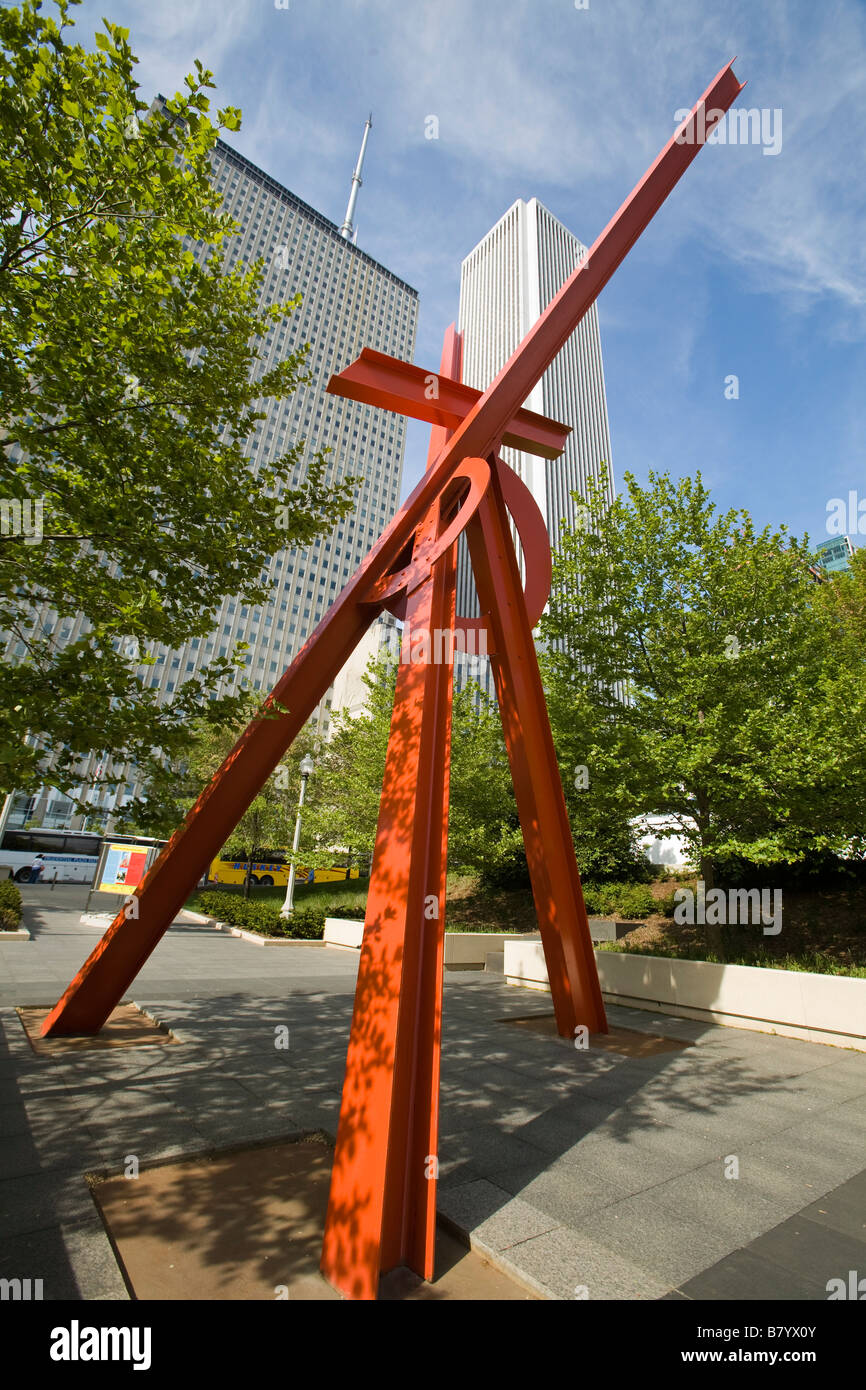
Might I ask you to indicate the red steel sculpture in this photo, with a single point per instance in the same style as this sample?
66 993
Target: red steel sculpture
383 1189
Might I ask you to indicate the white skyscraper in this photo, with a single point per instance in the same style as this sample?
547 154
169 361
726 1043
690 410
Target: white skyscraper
505 284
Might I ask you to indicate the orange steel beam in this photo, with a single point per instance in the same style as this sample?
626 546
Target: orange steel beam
116 960
556 886
382 1208
384 381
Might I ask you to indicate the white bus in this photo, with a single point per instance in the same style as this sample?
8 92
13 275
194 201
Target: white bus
69 856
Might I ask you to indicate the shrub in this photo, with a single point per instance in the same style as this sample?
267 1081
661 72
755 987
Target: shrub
10 905
666 904
354 911
635 900
597 899
306 923
626 900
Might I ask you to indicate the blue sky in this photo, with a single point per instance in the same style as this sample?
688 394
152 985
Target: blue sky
756 265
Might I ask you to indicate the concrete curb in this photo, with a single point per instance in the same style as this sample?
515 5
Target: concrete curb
496 1258
464 950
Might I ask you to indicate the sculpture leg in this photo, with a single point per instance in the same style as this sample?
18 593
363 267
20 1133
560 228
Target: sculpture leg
556 884
117 958
382 1210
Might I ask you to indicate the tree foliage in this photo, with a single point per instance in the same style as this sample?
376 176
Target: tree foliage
129 384
484 831
342 808
697 666
175 785
343 805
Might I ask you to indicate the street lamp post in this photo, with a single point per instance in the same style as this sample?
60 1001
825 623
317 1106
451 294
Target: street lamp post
307 766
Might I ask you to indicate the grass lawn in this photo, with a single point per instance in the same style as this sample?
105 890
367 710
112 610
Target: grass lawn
822 931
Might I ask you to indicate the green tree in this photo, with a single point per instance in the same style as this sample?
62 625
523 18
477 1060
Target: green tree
843 600
837 738
483 825
174 786
598 791
343 802
696 664
129 383
342 806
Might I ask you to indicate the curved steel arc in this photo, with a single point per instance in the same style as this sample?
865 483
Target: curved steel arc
535 543
529 524
477 473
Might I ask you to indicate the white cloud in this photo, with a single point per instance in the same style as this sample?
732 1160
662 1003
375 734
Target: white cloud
535 97
544 95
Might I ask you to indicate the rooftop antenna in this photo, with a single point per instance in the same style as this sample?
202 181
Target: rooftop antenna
347 229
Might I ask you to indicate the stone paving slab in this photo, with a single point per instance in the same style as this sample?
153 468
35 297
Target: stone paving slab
660 1241
797 1258
739 1208
744 1275
564 1188
662 1155
566 1268
843 1209
76 1263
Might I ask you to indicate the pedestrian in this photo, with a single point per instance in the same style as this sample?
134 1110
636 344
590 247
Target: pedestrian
36 868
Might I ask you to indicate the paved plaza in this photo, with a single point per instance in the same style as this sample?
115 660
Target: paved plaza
585 1173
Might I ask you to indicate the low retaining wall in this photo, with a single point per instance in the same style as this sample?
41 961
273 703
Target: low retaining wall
797 1004
344 932
468 950
463 950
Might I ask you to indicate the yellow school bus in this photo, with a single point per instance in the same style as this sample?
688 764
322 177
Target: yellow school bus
270 868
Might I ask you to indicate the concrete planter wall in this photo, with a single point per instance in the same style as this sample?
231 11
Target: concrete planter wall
342 931
468 950
463 950
818 1008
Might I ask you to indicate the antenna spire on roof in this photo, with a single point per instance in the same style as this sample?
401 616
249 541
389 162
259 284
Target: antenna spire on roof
347 228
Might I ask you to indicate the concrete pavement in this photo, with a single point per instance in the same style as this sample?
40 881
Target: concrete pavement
727 1167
